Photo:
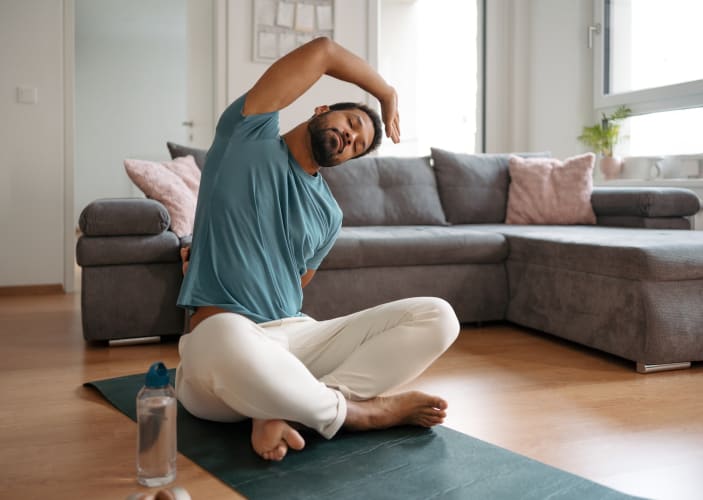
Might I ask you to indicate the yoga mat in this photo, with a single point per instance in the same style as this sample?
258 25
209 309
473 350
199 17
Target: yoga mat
398 463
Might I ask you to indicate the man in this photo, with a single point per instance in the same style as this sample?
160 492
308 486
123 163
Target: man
264 222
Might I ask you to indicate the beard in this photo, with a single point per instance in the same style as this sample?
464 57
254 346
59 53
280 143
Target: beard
324 141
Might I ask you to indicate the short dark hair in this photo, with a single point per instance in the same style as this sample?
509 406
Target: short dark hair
375 119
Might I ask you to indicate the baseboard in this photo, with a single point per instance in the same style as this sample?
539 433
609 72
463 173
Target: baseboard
9 291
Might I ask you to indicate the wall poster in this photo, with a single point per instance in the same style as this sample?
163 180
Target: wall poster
283 25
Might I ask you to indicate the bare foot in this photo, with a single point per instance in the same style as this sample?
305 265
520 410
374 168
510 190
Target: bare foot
271 438
408 408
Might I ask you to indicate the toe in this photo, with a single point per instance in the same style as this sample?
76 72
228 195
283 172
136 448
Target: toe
280 451
294 439
276 454
440 404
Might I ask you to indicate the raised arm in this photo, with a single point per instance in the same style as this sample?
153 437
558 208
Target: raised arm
292 75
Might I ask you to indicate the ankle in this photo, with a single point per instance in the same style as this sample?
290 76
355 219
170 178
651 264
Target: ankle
361 415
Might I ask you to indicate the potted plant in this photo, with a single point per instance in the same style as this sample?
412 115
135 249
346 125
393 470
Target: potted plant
603 137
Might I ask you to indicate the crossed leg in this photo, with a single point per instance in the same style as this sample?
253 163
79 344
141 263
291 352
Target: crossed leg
329 374
272 438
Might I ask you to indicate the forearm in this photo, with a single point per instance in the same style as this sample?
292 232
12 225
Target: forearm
344 65
290 77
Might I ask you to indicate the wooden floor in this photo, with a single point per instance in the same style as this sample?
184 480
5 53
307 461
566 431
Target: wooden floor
570 407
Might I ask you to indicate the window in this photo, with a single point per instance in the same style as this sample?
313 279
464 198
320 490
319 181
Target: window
675 132
648 58
429 51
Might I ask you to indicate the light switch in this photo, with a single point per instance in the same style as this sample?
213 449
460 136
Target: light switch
27 95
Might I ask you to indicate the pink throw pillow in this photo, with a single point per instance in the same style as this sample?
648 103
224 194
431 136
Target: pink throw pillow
549 191
186 168
173 183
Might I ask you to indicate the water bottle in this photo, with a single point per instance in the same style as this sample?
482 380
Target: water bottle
156 438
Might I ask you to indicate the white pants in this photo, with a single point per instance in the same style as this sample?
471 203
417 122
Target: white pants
303 370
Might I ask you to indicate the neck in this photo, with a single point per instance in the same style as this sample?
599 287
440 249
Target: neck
298 142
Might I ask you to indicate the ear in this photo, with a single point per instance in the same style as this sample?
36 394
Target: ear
321 109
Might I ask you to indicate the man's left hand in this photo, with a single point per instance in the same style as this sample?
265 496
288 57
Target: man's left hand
185 257
389 113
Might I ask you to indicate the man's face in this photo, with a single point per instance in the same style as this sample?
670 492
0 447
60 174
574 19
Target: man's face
338 136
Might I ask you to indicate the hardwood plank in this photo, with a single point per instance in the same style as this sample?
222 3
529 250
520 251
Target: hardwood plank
554 401
11 291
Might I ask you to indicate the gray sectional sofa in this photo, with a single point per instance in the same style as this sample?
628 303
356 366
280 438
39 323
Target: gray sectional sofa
631 285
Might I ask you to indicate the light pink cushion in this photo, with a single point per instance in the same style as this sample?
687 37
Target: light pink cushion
173 183
549 191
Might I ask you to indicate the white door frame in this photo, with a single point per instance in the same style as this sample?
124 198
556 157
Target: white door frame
221 46
69 131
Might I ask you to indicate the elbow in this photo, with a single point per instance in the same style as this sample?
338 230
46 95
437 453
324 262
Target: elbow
324 47
324 43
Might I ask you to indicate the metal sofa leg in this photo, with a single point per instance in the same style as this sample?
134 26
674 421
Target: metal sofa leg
645 368
134 341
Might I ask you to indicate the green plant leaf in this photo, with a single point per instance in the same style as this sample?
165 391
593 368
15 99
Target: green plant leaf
604 136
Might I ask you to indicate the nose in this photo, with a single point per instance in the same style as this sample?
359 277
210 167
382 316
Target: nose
349 136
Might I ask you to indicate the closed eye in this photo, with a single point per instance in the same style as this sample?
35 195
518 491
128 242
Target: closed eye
361 128
356 142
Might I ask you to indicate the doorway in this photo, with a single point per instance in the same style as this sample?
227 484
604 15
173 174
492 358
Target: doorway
143 76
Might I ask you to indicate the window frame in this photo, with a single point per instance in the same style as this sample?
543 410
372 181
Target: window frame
645 101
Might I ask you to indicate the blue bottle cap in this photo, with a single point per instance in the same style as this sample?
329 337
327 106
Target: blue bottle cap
157 376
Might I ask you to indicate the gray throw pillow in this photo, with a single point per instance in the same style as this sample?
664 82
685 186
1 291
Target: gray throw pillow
177 151
474 187
386 191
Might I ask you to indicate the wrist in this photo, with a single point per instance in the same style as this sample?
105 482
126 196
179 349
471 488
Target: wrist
388 95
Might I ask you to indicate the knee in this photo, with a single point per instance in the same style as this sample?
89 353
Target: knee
441 321
223 343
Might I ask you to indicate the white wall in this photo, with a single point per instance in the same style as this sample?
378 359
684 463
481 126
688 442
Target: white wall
560 96
539 75
351 32
31 166
130 90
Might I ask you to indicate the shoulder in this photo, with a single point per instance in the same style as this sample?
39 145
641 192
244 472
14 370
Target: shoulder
255 126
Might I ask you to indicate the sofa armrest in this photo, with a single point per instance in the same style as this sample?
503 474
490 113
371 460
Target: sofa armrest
123 250
644 222
646 202
124 217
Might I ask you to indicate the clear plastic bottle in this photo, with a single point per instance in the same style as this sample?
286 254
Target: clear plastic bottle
156 438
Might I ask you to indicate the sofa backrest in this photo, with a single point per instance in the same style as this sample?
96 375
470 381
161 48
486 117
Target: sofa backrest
386 191
474 187
178 150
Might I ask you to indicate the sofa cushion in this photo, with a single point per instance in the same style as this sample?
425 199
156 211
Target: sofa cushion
550 191
473 188
386 191
383 246
636 254
178 151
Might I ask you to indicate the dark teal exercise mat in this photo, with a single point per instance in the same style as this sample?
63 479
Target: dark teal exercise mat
399 463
